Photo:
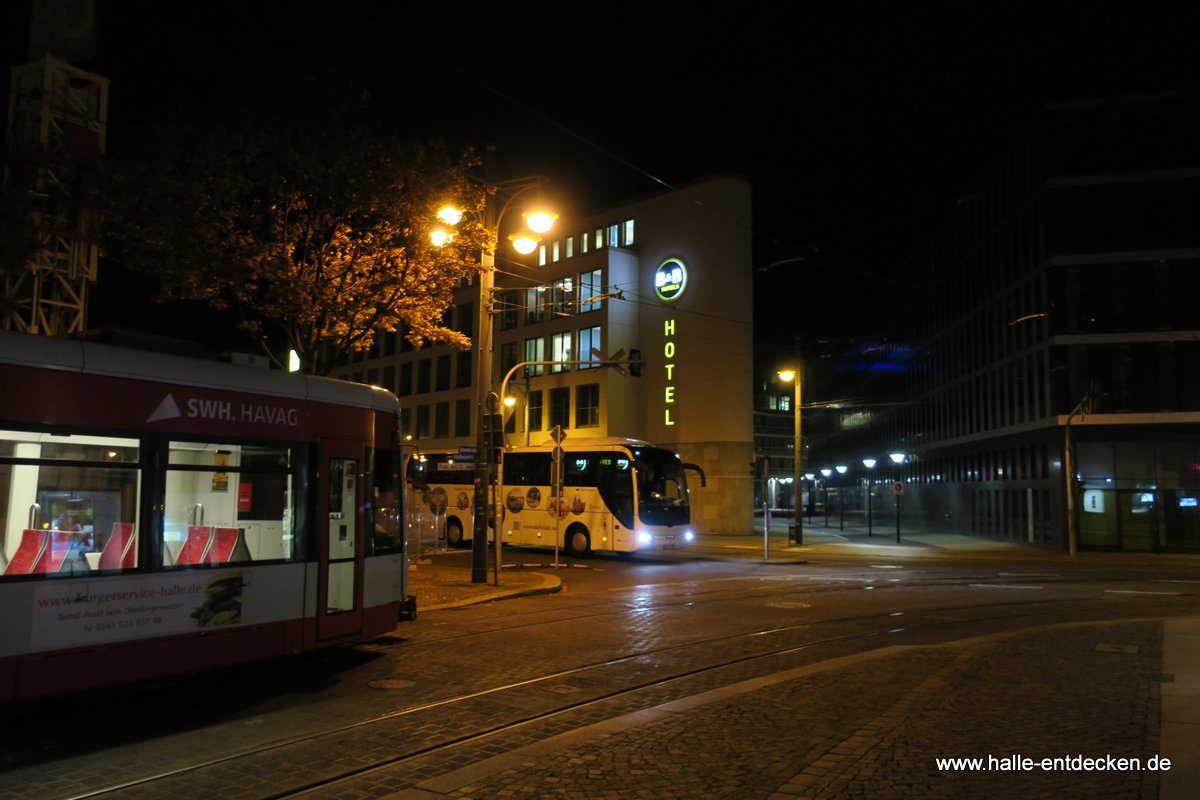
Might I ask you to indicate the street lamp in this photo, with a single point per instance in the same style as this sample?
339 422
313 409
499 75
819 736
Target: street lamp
793 376
841 470
869 463
510 401
487 402
825 473
897 489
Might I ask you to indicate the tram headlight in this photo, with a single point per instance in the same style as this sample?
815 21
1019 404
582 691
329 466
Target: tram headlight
644 538
688 536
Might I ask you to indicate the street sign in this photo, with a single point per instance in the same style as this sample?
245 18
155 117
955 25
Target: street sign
611 361
897 488
466 452
557 434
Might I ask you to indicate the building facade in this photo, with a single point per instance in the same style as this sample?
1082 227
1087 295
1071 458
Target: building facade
1058 302
666 276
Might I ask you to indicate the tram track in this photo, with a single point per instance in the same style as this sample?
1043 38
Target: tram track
660 673
579 610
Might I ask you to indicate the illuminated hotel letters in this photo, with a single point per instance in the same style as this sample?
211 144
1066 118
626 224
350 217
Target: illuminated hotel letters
670 279
668 364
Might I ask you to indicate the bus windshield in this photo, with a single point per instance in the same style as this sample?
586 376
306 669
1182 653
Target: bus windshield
662 487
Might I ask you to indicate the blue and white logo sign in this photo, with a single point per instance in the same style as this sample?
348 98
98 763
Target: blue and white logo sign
670 279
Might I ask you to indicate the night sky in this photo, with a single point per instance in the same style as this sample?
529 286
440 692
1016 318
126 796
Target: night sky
858 128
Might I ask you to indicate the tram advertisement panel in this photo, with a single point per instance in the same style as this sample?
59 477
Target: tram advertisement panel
78 613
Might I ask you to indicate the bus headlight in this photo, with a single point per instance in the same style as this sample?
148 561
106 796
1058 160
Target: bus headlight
644 538
688 536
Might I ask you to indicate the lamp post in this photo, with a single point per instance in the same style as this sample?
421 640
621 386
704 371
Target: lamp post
841 470
793 375
825 473
897 489
487 402
869 463
510 401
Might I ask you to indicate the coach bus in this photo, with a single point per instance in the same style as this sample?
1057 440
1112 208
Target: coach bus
440 503
618 495
162 514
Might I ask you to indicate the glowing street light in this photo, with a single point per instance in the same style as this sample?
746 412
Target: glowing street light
869 463
793 376
898 488
487 402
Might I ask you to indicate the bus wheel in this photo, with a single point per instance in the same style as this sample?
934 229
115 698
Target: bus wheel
454 533
577 541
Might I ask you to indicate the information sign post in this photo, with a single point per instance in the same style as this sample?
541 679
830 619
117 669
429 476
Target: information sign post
556 485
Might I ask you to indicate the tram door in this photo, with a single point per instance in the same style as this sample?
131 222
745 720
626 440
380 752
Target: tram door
339 584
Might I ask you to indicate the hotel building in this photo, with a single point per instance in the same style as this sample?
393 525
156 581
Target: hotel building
667 277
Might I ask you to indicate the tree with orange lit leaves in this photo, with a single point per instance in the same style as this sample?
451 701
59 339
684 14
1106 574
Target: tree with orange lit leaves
286 208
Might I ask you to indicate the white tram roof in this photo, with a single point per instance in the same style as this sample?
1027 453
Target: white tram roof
94 358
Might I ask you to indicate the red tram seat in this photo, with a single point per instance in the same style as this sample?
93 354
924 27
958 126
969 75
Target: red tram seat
29 552
229 544
120 551
195 549
54 554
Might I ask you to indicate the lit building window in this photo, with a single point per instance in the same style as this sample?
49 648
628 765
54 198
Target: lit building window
627 238
590 290
560 350
614 235
555 251
562 297
570 247
535 350
584 242
534 311
589 340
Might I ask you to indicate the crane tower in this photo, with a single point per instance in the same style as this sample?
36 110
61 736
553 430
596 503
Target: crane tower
57 121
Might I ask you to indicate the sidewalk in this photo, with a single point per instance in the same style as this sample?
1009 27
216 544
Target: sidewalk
438 585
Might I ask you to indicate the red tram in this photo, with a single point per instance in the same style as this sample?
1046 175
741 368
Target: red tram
162 515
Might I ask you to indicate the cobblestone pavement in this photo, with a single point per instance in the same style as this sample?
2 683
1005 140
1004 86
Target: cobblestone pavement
1128 690
436 585
1048 694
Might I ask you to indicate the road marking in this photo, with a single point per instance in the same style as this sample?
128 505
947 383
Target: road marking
1132 591
1003 586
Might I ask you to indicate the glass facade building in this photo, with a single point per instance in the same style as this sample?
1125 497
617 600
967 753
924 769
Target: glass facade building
1056 319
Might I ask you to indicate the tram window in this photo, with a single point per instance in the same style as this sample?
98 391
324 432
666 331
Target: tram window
227 503
388 534
64 500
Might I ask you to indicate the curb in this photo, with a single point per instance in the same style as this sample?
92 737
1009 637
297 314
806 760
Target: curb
551 584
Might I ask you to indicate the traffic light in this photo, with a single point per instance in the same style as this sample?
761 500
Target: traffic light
635 363
493 430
